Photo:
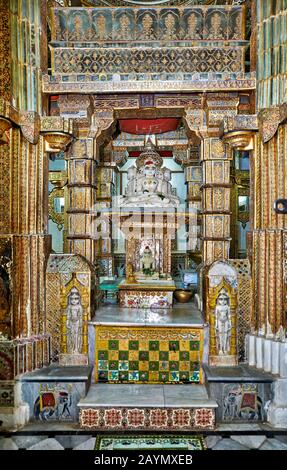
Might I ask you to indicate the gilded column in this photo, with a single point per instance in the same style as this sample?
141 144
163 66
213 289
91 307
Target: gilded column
269 175
193 178
82 197
215 200
106 175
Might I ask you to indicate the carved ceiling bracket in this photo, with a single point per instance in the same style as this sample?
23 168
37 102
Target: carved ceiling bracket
195 123
30 124
28 121
269 120
102 126
57 132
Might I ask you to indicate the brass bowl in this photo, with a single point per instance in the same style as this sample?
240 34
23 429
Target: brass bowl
182 296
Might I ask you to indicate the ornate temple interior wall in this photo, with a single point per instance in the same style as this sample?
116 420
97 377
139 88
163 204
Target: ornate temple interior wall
142 148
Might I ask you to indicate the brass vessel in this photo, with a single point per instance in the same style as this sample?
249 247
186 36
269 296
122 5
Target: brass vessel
182 296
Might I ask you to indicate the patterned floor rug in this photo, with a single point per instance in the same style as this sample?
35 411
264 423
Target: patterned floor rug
152 442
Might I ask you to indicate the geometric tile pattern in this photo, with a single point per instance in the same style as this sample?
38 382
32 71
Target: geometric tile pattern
148 355
147 418
147 60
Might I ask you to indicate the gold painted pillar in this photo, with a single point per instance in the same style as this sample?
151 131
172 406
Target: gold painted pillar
29 215
106 175
82 160
216 186
82 198
193 178
269 234
268 183
26 228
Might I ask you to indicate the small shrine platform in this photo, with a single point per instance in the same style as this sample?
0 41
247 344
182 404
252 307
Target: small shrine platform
146 294
147 408
148 346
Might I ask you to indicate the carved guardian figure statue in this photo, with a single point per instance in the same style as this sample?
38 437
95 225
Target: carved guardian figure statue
223 323
74 323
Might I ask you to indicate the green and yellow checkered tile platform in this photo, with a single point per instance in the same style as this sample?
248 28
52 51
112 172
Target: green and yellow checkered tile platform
148 355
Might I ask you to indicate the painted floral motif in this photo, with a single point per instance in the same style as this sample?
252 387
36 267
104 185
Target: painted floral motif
135 418
181 418
158 418
90 417
148 418
204 418
113 418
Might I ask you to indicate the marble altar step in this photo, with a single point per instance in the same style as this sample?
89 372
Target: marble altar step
70 382
147 407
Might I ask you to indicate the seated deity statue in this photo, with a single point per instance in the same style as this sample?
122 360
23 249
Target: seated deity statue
147 263
148 183
223 323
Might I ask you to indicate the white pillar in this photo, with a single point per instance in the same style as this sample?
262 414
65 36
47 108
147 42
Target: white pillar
267 354
259 352
283 361
251 350
275 357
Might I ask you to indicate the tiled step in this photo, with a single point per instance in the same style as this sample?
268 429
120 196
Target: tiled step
147 407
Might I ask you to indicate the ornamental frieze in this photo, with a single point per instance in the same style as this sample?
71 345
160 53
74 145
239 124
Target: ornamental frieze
143 83
148 24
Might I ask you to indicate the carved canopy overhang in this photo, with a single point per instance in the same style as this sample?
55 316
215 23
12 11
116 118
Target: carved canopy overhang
195 113
59 84
175 46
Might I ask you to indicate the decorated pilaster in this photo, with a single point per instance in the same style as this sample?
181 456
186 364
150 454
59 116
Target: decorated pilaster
215 200
193 178
82 197
82 184
106 186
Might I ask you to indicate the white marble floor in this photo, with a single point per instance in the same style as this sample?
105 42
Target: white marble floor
87 442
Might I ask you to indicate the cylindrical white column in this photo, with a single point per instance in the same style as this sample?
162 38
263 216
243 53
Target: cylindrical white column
275 357
283 360
267 346
250 341
259 352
